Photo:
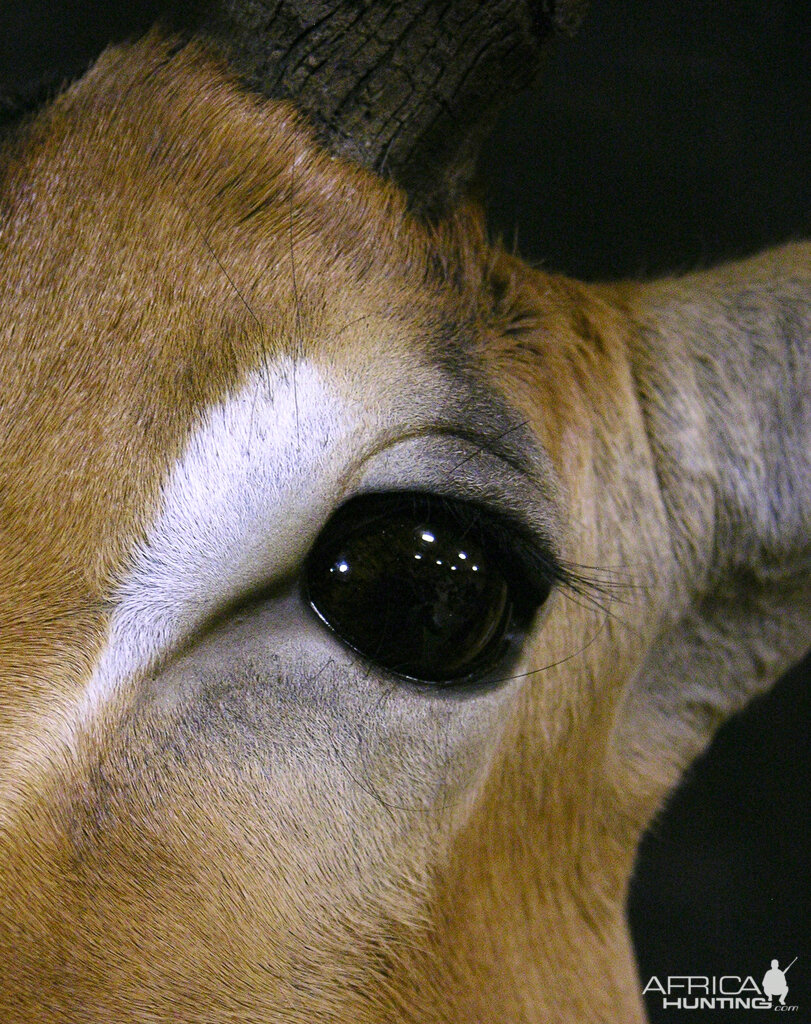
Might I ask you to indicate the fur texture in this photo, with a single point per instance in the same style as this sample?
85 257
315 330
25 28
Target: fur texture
212 335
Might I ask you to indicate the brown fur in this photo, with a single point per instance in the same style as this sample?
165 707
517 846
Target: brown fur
162 236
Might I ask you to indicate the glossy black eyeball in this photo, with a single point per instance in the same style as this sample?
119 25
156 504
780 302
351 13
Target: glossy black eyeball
418 585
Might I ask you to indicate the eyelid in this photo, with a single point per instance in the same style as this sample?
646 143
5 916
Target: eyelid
451 466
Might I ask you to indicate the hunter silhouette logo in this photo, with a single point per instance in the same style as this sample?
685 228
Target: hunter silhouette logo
723 992
774 981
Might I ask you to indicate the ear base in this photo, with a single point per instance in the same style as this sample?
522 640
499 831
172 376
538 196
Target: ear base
721 361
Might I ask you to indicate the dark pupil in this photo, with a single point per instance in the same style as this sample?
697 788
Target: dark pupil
420 597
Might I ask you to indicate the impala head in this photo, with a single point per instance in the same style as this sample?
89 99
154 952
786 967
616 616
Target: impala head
363 591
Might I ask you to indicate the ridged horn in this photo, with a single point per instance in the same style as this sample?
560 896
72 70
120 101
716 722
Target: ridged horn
408 89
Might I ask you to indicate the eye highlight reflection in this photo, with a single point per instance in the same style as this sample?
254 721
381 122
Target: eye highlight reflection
422 586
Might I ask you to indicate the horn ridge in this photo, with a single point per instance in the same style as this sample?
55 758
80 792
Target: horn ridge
407 89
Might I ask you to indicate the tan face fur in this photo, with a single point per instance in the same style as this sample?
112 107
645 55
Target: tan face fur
212 336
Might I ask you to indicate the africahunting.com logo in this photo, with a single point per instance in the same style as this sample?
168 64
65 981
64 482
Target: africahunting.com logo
723 992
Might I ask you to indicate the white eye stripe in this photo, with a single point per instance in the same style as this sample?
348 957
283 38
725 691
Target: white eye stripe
243 504
241 507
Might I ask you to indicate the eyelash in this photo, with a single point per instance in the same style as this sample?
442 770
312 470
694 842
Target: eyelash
536 561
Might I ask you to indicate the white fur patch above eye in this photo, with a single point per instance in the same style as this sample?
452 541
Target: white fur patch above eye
238 512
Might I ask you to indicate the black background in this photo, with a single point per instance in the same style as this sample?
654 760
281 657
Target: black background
664 136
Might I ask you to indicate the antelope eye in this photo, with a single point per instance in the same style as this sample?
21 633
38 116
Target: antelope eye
420 585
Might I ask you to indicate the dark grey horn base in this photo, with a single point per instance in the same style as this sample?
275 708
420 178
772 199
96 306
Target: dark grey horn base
407 89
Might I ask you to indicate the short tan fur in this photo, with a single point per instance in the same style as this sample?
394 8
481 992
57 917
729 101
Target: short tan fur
249 825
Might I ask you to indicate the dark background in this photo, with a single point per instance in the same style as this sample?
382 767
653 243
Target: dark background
663 137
